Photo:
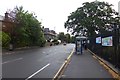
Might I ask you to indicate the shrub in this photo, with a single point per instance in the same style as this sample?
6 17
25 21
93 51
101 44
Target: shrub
41 40
4 39
55 41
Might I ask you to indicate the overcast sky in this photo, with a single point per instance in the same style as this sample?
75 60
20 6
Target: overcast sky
52 13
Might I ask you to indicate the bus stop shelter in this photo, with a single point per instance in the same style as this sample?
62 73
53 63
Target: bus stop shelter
80 41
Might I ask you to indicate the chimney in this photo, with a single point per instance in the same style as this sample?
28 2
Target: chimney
6 15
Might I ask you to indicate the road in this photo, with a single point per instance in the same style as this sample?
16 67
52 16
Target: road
35 63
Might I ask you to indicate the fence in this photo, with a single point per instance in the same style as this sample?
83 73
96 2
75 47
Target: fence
109 53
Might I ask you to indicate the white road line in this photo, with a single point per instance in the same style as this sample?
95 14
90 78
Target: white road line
12 60
38 71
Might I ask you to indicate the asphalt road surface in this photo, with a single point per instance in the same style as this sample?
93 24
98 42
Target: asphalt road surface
35 63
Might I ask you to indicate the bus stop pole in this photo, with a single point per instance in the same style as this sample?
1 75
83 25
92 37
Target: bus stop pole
81 48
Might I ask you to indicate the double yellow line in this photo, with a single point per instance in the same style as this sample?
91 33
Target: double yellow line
64 65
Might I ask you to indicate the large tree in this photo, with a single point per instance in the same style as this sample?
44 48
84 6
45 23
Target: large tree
65 37
92 17
61 36
68 38
28 29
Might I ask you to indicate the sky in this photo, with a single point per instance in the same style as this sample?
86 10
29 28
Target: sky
52 13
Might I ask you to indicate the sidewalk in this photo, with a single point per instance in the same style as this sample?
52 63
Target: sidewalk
85 66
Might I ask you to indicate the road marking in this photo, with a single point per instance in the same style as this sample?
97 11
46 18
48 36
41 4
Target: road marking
38 71
12 60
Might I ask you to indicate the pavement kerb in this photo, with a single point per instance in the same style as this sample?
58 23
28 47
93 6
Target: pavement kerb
7 52
60 71
114 73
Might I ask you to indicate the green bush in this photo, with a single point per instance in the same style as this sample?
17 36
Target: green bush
4 39
41 40
22 42
55 41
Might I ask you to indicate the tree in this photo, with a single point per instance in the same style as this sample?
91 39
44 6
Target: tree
68 38
4 39
64 37
61 36
28 30
72 40
91 17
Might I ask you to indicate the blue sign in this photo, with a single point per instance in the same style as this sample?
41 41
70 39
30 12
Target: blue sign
98 40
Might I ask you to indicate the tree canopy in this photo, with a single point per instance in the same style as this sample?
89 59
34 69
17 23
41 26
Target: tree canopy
61 36
65 37
28 29
4 39
92 17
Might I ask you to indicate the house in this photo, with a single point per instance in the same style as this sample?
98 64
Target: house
49 34
6 24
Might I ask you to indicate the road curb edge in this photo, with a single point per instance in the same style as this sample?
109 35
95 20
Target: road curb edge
58 74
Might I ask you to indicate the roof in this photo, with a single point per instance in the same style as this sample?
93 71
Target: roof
46 30
49 33
81 37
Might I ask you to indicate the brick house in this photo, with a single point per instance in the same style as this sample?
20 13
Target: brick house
6 24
